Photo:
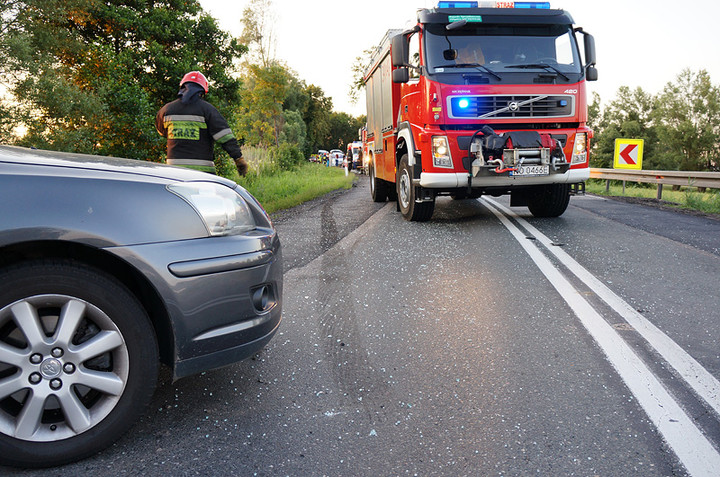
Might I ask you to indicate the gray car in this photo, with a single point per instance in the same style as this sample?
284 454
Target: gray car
107 268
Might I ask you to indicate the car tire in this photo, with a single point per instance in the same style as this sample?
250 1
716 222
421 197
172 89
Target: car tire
549 200
410 209
78 362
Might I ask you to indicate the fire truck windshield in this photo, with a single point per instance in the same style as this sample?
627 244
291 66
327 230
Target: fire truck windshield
520 51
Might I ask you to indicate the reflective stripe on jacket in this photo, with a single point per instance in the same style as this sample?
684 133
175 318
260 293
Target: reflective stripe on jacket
191 130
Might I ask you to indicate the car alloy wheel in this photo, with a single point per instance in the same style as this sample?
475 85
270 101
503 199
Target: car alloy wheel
78 362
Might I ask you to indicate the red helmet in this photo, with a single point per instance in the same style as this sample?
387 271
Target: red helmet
195 77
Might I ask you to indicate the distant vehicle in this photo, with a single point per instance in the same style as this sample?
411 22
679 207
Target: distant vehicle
354 155
108 267
336 157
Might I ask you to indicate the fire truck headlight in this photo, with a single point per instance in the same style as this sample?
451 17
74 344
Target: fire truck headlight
441 152
579 154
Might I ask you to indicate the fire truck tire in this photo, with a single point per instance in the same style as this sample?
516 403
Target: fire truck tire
549 200
411 210
378 187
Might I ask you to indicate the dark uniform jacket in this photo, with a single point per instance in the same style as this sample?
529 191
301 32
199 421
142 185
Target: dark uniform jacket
191 130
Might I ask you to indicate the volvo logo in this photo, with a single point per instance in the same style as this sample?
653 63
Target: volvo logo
51 368
513 106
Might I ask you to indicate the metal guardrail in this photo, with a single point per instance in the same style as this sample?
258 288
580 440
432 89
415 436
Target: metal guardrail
710 180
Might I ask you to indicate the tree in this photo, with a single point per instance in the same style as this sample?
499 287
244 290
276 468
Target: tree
258 20
294 131
688 116
89 75
359 67
629 115
343 130
260 114
317 119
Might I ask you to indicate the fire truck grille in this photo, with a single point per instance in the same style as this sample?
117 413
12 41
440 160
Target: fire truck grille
511 106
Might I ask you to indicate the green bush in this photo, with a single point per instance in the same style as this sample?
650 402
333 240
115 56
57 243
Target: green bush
287 156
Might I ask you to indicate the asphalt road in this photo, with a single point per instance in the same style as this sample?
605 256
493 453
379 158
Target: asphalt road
483 342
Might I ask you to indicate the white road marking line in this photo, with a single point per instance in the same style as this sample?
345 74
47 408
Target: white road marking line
693 449
705 385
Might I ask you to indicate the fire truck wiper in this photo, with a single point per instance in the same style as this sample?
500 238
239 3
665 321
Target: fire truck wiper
477 66
540 65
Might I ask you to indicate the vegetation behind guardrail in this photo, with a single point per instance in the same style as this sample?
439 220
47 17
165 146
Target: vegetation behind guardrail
700 180
690 190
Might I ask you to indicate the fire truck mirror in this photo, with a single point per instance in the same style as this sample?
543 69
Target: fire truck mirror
450 54
401 75
591 73
589 49
400 51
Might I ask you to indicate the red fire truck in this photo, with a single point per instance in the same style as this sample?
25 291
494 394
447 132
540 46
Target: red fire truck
479 99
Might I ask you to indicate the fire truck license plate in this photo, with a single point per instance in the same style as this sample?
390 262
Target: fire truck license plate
526 171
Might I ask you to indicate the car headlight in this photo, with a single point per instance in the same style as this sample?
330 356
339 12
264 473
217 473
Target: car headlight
441 152
222 209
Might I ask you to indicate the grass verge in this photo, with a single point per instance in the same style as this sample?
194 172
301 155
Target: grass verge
285 189
686 198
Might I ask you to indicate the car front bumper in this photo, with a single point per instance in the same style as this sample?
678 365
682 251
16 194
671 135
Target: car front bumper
223 295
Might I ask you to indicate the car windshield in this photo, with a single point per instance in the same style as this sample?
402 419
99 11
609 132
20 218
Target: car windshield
502 48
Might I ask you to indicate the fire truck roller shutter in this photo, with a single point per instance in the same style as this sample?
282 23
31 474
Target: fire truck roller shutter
405 132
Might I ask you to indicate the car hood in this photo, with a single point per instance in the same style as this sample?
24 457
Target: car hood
87 162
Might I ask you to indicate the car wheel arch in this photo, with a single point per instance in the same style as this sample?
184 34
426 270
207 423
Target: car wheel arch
129 276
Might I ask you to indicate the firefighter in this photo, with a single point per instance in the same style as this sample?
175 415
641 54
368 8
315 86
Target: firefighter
191 126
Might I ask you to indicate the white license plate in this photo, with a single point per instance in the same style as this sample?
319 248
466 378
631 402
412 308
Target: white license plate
527 171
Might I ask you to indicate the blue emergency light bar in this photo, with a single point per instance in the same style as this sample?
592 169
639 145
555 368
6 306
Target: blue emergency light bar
498 4
457 4
532 4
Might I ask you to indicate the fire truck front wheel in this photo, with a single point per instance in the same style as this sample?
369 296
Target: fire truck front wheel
549 200
407 193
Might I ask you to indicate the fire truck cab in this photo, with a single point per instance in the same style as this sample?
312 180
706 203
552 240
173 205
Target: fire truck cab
476 100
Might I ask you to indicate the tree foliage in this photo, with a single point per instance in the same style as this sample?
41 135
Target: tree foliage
258 21
629 115
688 121
260 115
343 130
360 65
89 75
276 106
680 125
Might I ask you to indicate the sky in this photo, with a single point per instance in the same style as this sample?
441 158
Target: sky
639 43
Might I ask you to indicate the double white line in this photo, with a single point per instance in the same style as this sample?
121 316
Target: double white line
691 446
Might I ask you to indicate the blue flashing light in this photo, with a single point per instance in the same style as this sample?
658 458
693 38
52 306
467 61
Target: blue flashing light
532 5
563 103
457 4
465 107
